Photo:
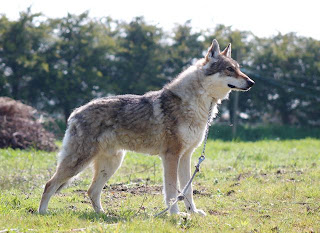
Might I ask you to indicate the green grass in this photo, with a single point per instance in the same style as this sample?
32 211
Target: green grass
264 186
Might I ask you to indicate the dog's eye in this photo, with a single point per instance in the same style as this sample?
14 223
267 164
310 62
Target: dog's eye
230 69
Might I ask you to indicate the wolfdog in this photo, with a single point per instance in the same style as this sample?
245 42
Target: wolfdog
170 123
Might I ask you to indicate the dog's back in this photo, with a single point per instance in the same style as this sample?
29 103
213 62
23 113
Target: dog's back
128 122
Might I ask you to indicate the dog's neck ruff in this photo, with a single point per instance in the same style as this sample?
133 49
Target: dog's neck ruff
196 93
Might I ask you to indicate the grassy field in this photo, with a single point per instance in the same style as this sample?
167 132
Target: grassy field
264 186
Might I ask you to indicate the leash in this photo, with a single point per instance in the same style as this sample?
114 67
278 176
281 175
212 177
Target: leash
202 157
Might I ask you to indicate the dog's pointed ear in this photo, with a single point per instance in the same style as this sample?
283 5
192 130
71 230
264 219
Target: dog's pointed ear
214 50
227 51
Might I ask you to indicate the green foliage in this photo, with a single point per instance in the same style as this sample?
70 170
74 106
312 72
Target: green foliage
21 55
288 74
184 48
59 64
265 186
76 62
140 58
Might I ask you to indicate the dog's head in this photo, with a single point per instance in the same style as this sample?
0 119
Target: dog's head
222 72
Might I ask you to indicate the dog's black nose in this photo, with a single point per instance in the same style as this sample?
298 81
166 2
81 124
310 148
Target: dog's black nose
250 83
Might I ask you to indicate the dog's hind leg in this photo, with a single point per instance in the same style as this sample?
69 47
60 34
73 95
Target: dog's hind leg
69 167
105 165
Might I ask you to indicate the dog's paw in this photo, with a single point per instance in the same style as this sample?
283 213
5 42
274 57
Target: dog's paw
180 214
42 211
183 214
200 212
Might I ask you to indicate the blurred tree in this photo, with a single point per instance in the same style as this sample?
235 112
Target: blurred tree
21 44
140 58
184 47
4 85
288 66
59 64
77 58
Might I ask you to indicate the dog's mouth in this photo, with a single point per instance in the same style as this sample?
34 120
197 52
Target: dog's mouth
238 88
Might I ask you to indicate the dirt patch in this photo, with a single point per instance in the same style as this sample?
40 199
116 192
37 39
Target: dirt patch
135 188
122 191
235 184
242 176
202 192
217 213
280 171
230 192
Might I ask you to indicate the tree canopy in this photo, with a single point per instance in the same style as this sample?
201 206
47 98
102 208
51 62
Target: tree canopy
59 64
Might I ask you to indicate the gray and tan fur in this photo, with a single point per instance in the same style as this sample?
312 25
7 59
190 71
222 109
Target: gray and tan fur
169 122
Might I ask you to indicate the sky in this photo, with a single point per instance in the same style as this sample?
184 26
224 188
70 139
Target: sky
263 17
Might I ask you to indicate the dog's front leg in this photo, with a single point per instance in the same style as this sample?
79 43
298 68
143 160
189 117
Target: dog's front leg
184 177
170 167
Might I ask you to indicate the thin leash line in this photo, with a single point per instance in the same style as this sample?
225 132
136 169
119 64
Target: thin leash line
180 193
202 157
207 129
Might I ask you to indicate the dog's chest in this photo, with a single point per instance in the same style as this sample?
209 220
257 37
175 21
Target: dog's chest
192 133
